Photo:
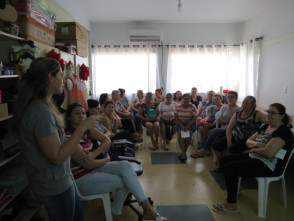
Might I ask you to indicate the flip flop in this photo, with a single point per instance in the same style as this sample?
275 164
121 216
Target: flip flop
217 169
160 218
220 208
196 155
153 148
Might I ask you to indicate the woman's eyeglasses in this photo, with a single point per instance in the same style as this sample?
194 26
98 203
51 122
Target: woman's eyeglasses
271 112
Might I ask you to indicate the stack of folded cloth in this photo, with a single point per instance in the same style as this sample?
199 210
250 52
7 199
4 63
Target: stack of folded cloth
37 10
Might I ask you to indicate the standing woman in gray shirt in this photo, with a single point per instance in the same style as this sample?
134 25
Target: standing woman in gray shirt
40 130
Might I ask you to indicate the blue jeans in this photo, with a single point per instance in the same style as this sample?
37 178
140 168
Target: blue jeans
137 121
117 177
65 206
215 135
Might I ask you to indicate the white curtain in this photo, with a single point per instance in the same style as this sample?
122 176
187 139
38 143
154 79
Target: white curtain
203 67
131 67
249 68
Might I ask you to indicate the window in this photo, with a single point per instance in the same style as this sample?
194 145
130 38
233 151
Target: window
128 68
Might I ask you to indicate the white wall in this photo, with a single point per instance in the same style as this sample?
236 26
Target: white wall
276 25
172 33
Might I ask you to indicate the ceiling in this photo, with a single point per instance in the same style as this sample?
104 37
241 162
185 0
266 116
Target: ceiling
196 11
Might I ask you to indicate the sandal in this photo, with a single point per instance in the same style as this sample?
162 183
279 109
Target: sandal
220 208
217 169
182 159
160 218
196 155
153 148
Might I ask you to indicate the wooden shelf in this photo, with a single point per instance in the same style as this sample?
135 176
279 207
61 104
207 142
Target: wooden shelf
4 35
9 76
7 160
6 118
28 212
12 198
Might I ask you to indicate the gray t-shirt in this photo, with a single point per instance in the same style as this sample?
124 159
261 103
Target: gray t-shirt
225 115
45 177
167 110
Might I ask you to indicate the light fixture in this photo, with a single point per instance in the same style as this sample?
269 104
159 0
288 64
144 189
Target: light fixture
179 6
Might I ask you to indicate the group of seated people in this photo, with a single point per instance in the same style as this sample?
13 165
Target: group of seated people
54 157
222 127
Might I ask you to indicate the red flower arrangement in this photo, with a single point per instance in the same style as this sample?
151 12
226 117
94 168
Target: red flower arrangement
53 54
84 72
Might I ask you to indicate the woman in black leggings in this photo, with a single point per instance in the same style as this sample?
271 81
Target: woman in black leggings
270 139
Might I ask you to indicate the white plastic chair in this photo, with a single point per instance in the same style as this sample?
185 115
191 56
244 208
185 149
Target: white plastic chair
105 198
216 118
263 186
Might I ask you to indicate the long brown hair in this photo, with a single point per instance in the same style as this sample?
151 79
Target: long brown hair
34 86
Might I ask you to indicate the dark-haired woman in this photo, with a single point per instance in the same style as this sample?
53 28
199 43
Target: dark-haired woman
270 139
102 99
177 98
185 118
40 129
149 115
124 100
95 176
242 125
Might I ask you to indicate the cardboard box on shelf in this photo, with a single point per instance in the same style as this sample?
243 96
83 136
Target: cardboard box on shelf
31 29
71 30
82 47
3 110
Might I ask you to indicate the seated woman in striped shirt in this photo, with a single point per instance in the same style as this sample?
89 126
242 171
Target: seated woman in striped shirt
185 118
95 176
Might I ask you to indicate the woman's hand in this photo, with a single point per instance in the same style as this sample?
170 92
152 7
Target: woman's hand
90 122
86 158
185 128
107 158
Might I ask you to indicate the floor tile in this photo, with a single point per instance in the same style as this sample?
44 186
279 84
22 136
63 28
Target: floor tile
246 183
186 212
165 158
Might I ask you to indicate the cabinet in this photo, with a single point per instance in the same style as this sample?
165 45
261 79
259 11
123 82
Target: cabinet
7 81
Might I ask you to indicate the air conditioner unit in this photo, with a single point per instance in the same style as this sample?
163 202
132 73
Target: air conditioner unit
152 36
145 38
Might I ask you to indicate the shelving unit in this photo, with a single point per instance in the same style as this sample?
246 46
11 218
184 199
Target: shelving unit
6 40
6 118
9 36
9 76
6 81
7 160
10 199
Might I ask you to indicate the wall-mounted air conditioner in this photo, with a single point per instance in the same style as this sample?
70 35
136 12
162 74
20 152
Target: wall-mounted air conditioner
151 36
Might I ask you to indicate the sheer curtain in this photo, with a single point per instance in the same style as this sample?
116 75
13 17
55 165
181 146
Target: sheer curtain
131 67
204 67
249 68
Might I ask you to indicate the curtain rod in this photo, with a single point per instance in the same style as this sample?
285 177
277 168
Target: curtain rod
171 45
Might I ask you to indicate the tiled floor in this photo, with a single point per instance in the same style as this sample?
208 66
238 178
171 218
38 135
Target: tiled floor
189 190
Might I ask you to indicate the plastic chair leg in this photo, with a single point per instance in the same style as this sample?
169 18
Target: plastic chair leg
284 192
107 206
144 136
262 196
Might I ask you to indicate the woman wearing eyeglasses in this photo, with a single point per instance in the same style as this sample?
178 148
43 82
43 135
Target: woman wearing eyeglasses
242 125
270 139
225 114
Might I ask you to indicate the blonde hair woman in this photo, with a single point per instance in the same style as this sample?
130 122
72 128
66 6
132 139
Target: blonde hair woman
40 130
